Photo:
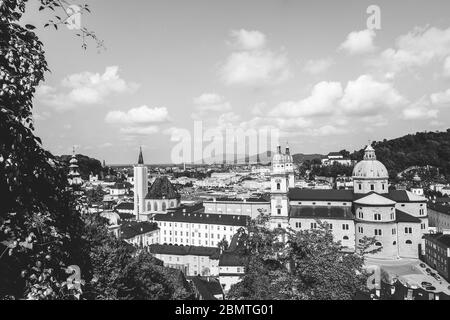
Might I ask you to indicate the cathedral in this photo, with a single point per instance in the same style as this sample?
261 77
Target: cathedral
396 218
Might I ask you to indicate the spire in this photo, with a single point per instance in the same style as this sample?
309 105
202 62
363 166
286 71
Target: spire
141 158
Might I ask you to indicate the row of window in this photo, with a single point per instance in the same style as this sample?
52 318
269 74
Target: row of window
199 235
313 225
376 216
163 206
378 244
193 226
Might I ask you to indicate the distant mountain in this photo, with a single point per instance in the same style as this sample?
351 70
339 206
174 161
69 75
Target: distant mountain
300 157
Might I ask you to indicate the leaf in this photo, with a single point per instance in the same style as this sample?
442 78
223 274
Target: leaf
30 27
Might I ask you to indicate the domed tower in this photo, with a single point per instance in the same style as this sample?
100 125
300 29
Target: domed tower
370 175
74 174
289 165
375 214
279 181
140 186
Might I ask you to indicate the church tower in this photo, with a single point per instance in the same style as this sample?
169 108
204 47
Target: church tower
140 186
74 174
279 187
289 167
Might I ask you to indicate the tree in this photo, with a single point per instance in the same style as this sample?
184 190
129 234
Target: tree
285 264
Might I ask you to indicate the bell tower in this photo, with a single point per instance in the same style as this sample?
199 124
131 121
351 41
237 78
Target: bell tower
140 186
279 182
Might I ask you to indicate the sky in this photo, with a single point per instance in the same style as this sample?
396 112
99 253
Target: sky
315 71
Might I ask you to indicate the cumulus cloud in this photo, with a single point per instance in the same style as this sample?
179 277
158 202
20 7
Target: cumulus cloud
254 64
315 67
85 88
359 42
415 49
447 67
420 110
322 100
142 120
365 96
247 40
441 98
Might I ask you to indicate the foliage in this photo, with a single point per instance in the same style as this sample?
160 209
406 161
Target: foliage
290 265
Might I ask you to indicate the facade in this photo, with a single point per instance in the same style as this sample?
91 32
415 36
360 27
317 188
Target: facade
437 253
336 157
192 226
439 217
396 218
192 260
251 207
231 270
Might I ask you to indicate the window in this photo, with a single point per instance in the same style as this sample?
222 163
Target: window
359 186
394 243
408 230
421 212
360 215
382 186
394 231
377 217
330 226
360 230
278 186
313 225
408 242
163 206
345 226
345 238
378 244
422 226
155 206
372 187
278 211
378 232
298 224
149 206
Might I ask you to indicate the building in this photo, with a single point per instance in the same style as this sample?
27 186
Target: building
231 269
251 207
417 185
336 158
113 222
396 218
74 176
124 207
439 215
437 253
140 233
207 288
190 225
140 186
161 197
192 260
119 189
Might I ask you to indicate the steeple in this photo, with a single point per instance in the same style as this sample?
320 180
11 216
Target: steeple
141 158
287 148
369 153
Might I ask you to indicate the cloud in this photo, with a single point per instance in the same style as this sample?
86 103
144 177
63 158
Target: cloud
322 100
138 116
247 40
420 110
359 42
254 64
415 49
440 98
447 67
84 88
208 104
366 96
142 120
315 67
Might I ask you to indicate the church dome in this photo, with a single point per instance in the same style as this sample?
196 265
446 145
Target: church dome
278 158
370 167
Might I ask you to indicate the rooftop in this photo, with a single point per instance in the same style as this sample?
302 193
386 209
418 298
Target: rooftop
317 212
402 216
134 228
298 194
185 250
162 188
231 259
203 218
443 239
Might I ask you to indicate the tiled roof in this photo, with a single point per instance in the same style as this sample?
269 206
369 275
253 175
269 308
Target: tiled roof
162 188
133 228
443 239
445 209
125 206
185 250
207 288
298 194
203 218
240 200
318 212
231 259
402 216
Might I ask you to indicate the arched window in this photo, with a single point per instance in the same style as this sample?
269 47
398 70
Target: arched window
378 244
172 204
278 186
149 206
163 206
408 242
345 238
155 206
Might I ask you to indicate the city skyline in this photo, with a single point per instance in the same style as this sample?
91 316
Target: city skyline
317 74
